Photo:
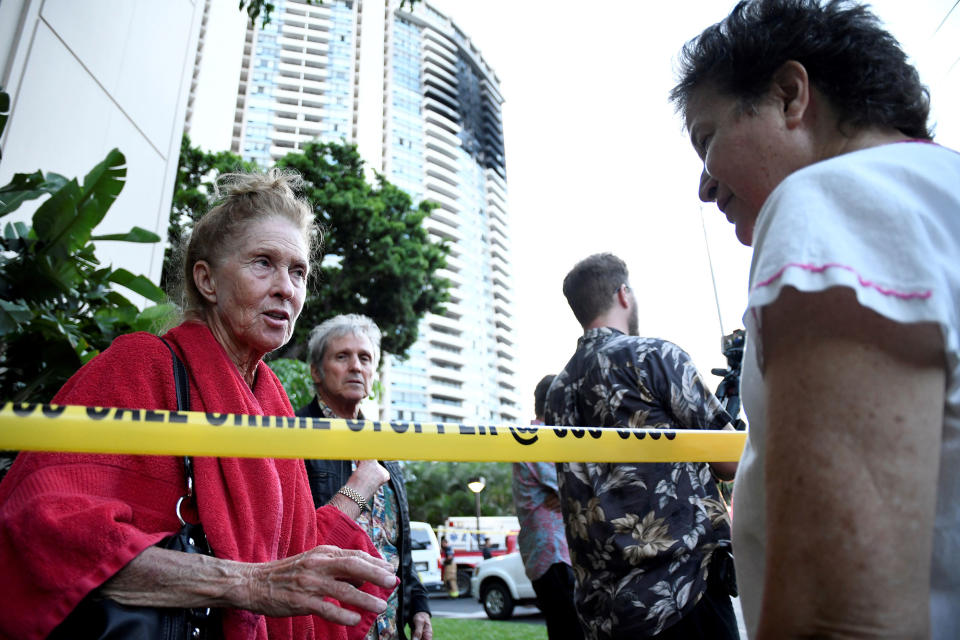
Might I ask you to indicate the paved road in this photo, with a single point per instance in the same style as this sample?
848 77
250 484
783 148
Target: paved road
444 607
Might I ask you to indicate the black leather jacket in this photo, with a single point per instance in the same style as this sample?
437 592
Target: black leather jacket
327 476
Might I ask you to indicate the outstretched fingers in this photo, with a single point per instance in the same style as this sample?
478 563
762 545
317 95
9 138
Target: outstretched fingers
300 584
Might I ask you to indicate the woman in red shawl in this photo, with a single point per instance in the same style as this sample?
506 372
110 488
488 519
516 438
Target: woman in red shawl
71 524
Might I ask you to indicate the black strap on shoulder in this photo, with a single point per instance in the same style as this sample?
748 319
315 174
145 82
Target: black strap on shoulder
180 380
182 384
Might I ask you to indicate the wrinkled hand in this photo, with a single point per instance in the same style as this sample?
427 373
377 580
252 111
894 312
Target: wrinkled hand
367 477
422 627
298 585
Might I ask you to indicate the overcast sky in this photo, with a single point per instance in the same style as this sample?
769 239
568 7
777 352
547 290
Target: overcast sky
597 160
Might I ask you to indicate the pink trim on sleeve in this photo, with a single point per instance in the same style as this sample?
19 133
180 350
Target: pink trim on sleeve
914 295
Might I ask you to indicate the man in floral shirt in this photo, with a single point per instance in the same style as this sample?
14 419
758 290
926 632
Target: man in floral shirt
649 542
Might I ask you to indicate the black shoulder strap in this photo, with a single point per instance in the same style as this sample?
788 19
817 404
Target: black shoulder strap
182 384
180 380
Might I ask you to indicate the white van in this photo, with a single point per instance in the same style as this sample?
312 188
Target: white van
426 556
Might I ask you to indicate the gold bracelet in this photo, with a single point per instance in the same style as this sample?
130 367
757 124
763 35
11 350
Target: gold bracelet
355 496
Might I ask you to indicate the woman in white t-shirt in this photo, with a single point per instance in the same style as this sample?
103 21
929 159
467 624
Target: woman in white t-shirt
813 131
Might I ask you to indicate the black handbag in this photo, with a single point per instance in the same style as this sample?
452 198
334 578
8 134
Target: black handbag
99 618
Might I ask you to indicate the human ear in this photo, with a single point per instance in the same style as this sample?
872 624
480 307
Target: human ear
204 281
315 375
791 87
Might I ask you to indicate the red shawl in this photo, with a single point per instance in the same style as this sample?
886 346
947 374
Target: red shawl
70 521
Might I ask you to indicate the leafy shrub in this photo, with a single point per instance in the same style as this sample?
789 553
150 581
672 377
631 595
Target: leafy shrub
295 377
58 304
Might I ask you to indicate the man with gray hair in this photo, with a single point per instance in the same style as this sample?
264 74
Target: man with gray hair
344 352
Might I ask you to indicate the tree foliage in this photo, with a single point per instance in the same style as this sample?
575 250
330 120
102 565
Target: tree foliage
264 9
378 259
436 490
58 305
295 377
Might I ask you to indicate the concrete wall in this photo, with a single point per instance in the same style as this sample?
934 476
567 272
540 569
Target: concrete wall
85 77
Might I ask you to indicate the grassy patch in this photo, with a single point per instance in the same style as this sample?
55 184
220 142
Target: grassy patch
458 629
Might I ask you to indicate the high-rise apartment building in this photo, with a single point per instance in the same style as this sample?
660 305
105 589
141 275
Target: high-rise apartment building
415 94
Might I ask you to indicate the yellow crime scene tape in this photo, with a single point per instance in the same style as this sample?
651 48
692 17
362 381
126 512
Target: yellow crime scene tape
39 427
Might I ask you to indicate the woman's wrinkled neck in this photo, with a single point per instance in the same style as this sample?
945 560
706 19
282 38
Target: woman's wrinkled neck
246 360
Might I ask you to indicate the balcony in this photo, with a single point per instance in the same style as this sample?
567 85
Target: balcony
286 96
503 323
447 204
435 43
497 209
504 335
446 348
441 148
454 263
442 231
499 257
446 403
440 215
496 223
279 137
435 185
446 364
447 343
440 82
444 326
291 39
432 104
442 136
438 119
455 278
452 311
439 172
439 76
493 187
435 158
440 385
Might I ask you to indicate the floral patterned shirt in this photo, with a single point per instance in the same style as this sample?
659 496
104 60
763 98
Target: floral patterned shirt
541 540
381 524
561 407
641 536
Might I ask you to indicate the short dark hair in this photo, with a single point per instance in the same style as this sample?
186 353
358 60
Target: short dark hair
848 55
540 395
590 285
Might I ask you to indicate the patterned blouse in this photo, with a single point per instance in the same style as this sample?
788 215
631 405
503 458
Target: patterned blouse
541 540
641 536
382 526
